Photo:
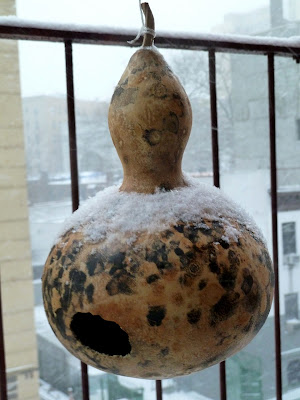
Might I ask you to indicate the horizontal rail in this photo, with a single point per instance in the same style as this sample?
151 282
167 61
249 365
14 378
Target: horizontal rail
105 36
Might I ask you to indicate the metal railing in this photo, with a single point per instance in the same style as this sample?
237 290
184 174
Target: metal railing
266 47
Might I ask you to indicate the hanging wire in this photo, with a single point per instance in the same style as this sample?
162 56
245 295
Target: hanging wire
144 29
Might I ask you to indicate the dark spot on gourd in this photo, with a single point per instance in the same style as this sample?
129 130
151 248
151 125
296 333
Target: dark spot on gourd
158 90
152 256
164 265
233 259
118 262
252 300
217 226
224 244
179 101
57 284
90 292
171 123
58 254
227 279
76 247
165 351
126 159
268 263
118 91
95 261
71 257
202 284
60 273
224 308
155 76
247 282
128 97
103 336
122 97
121 283
152 278
191 233
222 339
179 228
144 363
194 269
152 136
214 267
66 298
60 323
155 315
140 69
168 234
124 83
134 267
77 279
179 252
194 316
205 230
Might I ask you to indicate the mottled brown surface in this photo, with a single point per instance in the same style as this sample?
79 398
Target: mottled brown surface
186 298
150 119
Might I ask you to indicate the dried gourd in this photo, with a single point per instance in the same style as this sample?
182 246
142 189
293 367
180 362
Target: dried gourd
187 284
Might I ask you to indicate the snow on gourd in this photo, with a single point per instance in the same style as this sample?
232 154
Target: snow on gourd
163 276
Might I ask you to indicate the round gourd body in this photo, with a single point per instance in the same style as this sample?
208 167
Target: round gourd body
170 303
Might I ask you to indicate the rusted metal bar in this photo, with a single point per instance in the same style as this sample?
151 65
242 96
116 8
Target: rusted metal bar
159 390
229 43
216 168
85 382
3 382
72 125
273 171
74 169
214 116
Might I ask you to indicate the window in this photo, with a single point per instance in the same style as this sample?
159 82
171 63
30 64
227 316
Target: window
298 128
289 238
12 387
291 306
293 371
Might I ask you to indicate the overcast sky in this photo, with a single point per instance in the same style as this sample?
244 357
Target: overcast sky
98 68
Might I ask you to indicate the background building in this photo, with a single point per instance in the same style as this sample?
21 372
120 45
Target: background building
15 249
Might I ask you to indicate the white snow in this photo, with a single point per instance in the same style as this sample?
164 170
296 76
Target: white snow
293 394
46 392
12 20
111 212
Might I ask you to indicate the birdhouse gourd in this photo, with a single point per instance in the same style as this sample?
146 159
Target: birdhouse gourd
163 276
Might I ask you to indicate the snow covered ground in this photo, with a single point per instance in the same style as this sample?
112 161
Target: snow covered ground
290 395
46 392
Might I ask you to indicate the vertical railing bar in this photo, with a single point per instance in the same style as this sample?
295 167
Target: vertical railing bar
214 116
216 168
3 382
72 125
158 390
74 169
273 171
